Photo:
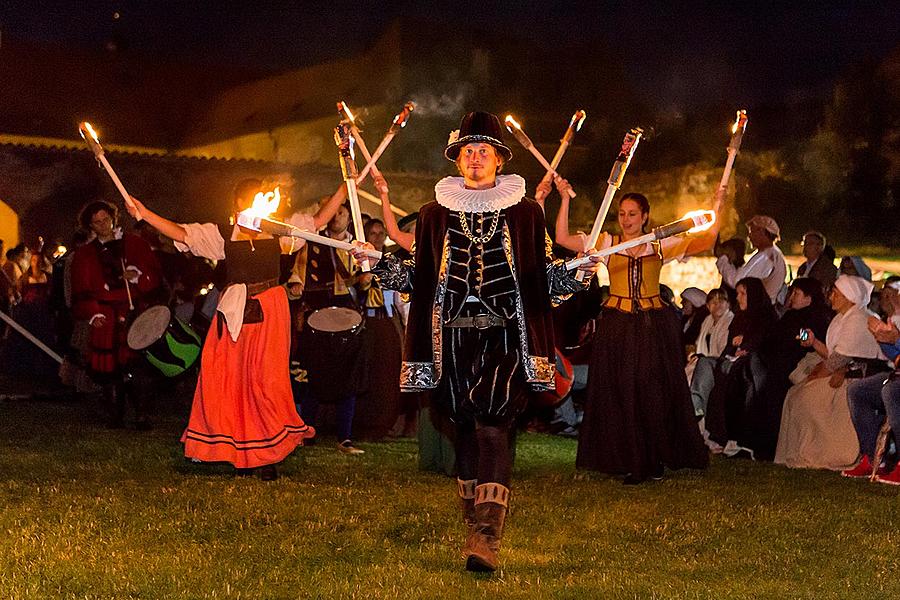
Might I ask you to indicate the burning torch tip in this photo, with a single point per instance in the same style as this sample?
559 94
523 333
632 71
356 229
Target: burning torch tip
86 129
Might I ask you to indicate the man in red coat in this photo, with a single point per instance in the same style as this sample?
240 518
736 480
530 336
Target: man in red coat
105 272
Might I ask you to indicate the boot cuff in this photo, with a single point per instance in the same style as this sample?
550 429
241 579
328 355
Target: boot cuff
467 488
492 492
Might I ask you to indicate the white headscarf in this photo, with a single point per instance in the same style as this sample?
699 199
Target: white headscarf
695 296
856 289
848 333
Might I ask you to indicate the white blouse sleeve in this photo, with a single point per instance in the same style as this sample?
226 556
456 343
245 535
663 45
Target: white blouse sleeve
604 242
202 239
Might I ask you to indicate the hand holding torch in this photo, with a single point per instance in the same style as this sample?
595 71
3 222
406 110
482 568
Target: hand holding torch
348 118
397 124
93 142
692 222
248 220
575 124
616 176
344 139
737 135
514 128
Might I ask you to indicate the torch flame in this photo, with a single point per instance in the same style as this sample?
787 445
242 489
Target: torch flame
704 219
578 120
511 123
264 204
86 127
740 122
402 117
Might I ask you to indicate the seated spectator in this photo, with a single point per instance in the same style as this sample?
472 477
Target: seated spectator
693 312
854 265
766 264
889 300
816 429
779 355
817 266
737 371
710 342
870 400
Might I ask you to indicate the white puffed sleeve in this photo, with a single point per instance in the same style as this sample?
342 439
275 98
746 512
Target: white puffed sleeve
202 239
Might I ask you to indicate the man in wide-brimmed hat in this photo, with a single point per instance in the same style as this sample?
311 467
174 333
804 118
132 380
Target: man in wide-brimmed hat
479 330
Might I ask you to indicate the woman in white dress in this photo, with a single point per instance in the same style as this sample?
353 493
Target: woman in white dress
816 430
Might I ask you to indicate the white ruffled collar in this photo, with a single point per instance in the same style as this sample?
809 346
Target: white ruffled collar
451 192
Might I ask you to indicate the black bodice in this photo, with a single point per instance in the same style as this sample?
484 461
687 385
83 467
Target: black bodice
250 262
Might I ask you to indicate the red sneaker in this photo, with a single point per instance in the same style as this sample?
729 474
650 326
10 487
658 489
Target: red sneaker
863 469
892 478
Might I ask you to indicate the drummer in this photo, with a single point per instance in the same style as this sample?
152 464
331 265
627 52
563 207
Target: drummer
329 277
113 277
243 412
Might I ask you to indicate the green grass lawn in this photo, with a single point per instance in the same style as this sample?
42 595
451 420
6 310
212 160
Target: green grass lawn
91 513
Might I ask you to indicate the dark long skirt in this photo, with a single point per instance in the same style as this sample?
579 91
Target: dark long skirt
638 415
737 408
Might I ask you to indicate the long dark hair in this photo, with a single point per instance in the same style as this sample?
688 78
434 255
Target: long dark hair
244 192
641 201
759 305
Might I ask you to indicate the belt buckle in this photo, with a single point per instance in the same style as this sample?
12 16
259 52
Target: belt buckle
481 321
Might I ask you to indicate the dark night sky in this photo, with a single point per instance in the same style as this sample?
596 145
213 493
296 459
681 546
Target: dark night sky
677 53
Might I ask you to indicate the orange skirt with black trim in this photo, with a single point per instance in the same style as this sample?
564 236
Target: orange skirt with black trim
243 411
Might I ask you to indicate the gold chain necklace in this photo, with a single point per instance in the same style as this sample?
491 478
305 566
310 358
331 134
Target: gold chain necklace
484 239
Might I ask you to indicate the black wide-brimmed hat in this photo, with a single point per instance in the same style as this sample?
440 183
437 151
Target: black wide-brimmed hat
477 127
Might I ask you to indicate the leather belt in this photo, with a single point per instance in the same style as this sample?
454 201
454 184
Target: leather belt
259 287
478 322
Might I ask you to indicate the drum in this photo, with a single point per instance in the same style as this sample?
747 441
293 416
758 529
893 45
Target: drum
169 344
331 351
334 322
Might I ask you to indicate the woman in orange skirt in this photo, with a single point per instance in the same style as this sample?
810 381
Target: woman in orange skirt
243 410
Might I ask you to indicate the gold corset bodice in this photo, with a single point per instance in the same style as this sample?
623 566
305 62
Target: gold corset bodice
634 281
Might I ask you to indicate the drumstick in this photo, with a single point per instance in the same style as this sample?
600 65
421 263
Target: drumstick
127 289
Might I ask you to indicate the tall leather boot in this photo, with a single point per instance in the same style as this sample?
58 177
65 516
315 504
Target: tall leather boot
491 504
467 502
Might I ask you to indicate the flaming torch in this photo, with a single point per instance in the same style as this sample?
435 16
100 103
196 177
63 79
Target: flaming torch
616 176
693 222
256 218
348 118
575 124
93 142
344 139
514 128
397 124
737 135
